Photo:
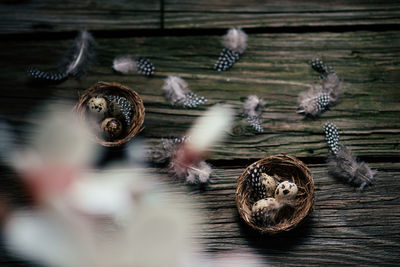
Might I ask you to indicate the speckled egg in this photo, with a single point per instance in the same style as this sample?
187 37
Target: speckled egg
269 183
112 128
97 106
286 190
264 204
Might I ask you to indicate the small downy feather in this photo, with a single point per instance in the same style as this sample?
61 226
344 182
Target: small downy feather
313 102
343 164
177 92
125 64
195 173
235 44
253 108
235 40
78 61
81 55
199 173
319 98
128 63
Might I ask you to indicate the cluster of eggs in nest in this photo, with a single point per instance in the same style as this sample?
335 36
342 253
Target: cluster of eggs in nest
274 201
110 114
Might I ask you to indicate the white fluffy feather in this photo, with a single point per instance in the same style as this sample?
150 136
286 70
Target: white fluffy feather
210 128
253 106
235 40
200 173
125 64
175 89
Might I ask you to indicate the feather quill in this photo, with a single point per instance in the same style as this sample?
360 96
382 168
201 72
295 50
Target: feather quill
319 98
253 108
343 164
177 92
79 60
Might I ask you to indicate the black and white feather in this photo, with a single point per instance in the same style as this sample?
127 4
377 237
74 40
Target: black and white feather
127 64
332 137
320 98
253 108
79 59
343 164
178 93
254 181
235 44
124 105
319 66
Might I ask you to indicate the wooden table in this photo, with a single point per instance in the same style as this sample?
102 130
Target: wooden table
360 39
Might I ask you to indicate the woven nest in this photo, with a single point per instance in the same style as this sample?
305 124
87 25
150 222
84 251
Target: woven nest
282 168
115 89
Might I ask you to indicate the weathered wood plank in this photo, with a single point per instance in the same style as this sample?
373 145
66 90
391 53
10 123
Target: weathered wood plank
344 228
55 16
274 67
287 13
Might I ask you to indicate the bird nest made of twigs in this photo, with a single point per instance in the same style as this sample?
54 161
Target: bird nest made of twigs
118 98
281 168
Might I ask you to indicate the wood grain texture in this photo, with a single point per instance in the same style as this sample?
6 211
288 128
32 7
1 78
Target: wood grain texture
345 227
274 67
57 16
254 13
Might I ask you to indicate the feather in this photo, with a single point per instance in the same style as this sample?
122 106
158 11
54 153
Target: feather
199 173
319 98
234 43
177 91
331 85
345 165
275 214
253 108
332 137
79 60
235 40
125 64
313 102
81 55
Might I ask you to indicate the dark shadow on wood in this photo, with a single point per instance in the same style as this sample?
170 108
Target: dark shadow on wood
123 33
281 242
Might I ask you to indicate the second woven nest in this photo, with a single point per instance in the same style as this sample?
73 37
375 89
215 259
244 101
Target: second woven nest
115 89
282 168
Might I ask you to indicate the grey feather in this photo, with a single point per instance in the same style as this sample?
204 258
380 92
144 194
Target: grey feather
253 108
314 101
177 92
346 166
320 98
